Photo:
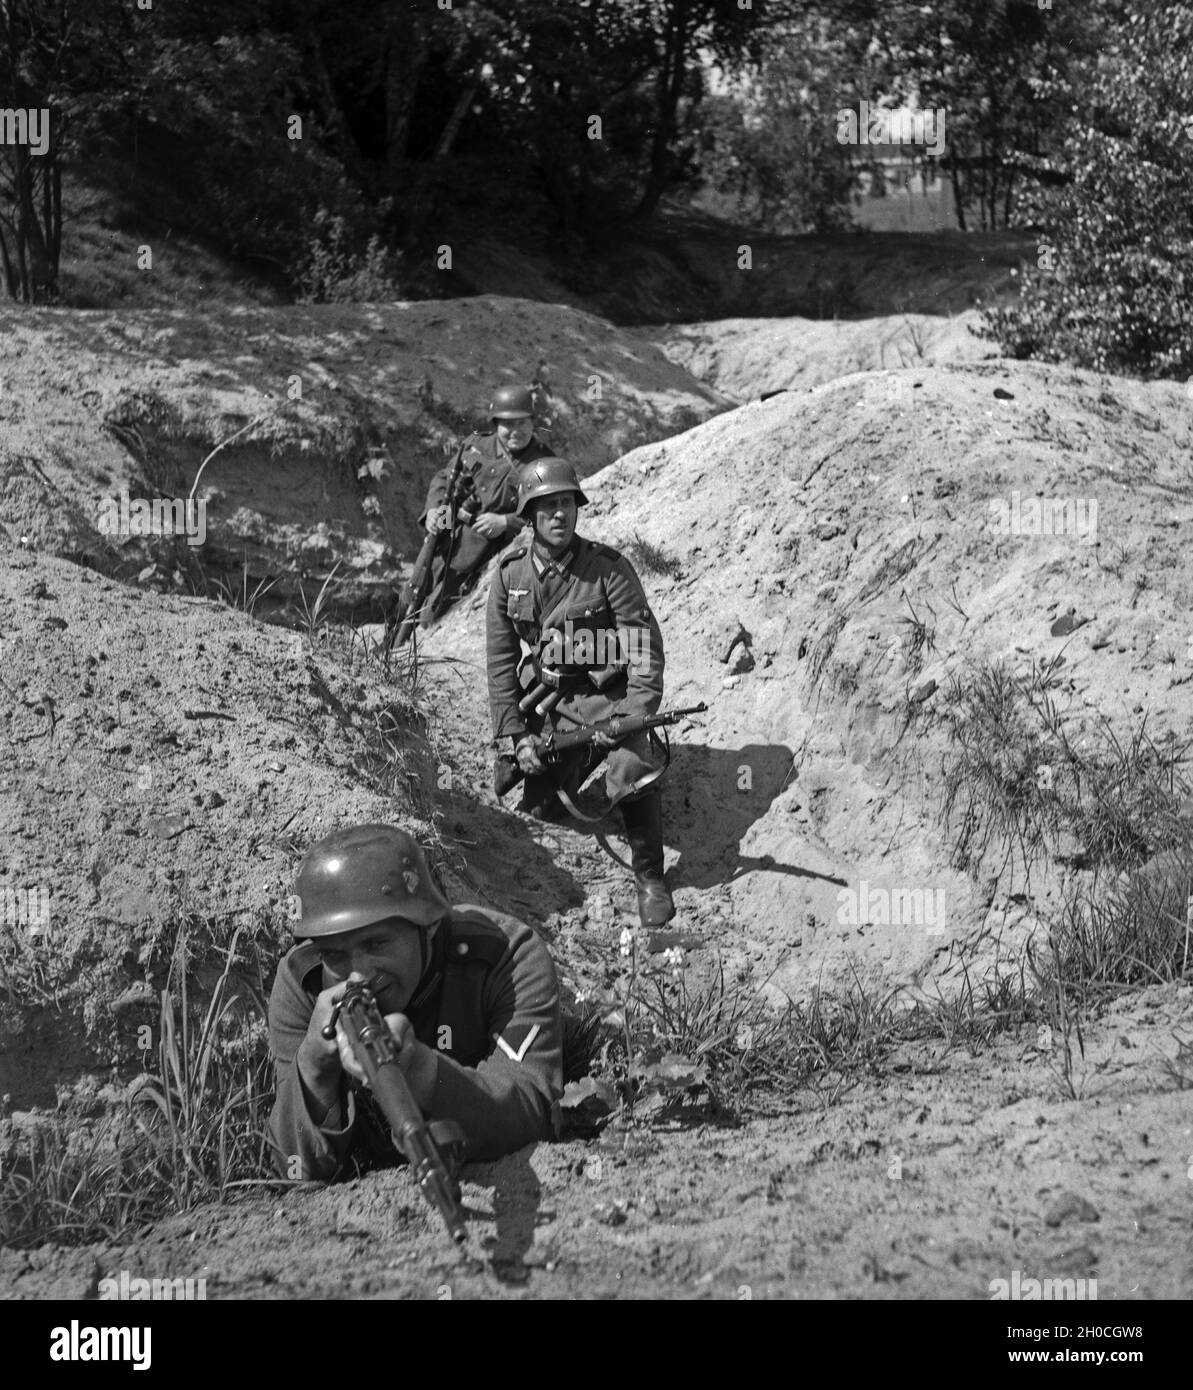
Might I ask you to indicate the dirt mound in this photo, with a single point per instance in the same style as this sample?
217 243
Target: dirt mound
815 536
747 358
165 762
345 411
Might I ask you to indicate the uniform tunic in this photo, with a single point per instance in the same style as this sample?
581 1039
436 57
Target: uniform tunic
593 598
494 472
488 1006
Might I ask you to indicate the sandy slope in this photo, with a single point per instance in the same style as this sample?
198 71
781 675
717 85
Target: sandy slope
817 523
810 521
95 403
747 358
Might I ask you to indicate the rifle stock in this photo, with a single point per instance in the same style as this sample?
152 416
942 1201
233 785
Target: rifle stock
374 1048
402 625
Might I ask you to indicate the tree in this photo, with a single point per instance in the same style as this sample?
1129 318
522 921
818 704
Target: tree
1000 73
770 145
53 54
1113 289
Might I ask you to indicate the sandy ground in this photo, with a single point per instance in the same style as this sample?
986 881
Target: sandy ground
951 1173
164 756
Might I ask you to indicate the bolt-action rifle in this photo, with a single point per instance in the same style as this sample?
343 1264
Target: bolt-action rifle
404 618
507 774
374 1047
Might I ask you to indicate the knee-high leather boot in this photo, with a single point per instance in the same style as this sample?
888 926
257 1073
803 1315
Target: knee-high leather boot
643 821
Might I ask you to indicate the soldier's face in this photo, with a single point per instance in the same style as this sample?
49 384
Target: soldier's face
515 434
386 954
555 520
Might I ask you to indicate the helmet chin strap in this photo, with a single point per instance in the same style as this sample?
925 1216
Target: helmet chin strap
426 947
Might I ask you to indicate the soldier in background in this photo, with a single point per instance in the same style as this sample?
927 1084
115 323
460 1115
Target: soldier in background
486 494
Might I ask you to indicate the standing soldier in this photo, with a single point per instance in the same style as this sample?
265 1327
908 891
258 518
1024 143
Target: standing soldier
469 995
569 615
486 493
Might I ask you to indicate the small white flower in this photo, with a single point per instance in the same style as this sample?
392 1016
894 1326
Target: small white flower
626 941
673 956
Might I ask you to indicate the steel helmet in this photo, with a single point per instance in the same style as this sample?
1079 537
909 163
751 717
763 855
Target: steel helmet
545 476
511 403
363 875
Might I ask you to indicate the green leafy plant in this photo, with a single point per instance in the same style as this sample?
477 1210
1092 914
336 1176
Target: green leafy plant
73 1185
333 271
636 1070
315 612
1112 285
190 1131
210 1093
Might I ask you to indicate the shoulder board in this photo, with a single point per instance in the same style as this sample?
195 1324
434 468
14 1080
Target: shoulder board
475 939
606 552
511 555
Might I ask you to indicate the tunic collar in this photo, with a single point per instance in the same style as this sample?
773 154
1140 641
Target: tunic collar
545 565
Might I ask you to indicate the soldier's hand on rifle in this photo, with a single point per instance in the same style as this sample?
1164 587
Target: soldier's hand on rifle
438 519
403 1034
600 740
491 525
318 1058
322 1059
527 754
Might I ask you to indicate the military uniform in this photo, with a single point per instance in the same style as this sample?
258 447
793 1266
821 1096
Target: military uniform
488 1005
489 483
590 609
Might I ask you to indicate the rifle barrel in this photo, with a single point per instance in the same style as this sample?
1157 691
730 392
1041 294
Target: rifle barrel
375 1049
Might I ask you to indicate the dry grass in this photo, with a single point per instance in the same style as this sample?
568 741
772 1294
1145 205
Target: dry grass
189 1131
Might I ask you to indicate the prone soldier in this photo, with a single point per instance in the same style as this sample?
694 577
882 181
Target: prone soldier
469 995
570 616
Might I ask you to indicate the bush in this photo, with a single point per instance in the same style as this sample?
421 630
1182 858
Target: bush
332 271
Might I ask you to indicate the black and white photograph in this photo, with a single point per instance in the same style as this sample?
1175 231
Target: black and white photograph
596 663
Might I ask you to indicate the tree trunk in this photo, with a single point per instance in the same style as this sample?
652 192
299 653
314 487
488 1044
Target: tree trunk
405 58
958 200
454 122
559 191
333 115
30 228
667 88
10 270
